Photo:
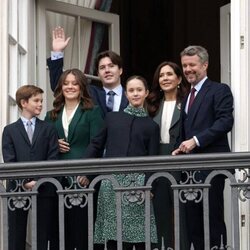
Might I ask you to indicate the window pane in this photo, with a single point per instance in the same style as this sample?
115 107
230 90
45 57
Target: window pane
13 17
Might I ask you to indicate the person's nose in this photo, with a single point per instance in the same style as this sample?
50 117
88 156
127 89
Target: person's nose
107 69
188 68
165 77
70 85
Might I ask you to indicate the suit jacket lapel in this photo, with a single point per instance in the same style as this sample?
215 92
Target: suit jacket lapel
22 130
77 116
37 130
198 99
124 101
102 99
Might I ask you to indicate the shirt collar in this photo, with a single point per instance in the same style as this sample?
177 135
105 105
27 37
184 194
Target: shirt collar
200 83
117 90
25 120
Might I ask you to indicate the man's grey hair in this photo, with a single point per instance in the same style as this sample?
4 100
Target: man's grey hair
200 51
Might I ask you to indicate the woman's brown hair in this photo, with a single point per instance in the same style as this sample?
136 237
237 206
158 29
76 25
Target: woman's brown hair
156 95
84 98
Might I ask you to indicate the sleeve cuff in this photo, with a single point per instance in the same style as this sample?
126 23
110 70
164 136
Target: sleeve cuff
56 55
196 141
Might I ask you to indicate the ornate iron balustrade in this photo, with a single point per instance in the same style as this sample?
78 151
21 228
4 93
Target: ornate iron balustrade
188 189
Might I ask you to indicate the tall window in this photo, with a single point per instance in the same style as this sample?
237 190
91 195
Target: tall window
89 25
21 56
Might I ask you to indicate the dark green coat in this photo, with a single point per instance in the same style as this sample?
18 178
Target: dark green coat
84 126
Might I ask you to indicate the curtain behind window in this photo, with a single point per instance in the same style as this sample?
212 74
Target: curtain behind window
88 34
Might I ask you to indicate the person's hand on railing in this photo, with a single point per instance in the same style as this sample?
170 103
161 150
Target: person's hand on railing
30 185
185 147
63 146
59 41
188 145
83 181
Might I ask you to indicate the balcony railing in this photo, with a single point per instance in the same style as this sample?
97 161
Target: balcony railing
158 166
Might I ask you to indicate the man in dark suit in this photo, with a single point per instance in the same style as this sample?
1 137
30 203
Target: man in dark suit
109 69
206 119
31 139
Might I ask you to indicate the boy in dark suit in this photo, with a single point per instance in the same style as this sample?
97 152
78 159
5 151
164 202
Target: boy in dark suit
31 139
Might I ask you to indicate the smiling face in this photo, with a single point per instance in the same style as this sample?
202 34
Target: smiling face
109 73
33 106
193 69
136 92
168 80
71 88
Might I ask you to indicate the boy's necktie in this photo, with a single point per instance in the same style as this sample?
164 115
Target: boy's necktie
29 130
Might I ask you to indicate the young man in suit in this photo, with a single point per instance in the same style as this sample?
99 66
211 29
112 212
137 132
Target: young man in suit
206 119
109 68
31 139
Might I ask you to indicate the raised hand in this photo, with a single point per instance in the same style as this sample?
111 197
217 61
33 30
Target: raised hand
59 42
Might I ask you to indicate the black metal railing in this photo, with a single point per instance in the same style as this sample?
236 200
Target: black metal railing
189 188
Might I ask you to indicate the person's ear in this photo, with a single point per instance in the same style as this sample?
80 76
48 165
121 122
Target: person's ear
23 103
205 66
180 80
121 71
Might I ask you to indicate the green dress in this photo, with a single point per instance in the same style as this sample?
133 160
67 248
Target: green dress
133 212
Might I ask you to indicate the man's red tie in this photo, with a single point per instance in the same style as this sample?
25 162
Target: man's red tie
191 99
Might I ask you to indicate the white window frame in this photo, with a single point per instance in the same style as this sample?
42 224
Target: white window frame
240 79
21 53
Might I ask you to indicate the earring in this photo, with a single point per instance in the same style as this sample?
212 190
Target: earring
178 86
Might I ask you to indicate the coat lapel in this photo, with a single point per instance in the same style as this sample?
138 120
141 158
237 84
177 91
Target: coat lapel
176 115
37 130
77 116
124 101
198 100
59 126
22 130
158 116
102 99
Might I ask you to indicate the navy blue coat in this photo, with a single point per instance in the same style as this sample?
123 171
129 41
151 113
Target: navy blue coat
16 146
210 118
139 136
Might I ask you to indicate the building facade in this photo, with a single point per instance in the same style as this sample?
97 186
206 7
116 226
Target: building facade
25 27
